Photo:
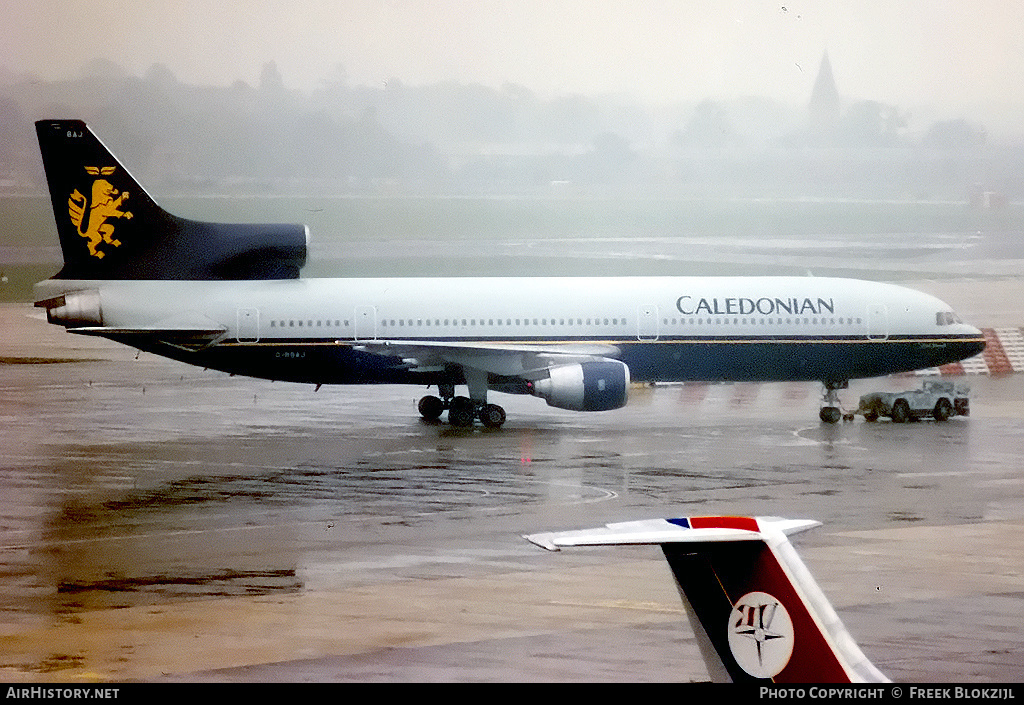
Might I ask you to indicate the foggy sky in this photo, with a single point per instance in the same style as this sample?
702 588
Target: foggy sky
939 52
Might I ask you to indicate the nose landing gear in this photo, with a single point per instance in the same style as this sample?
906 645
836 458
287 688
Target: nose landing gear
830 411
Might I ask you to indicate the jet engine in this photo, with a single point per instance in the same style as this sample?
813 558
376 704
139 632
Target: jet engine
74 309
587 386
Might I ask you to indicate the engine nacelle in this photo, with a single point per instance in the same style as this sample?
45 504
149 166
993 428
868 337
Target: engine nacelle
587 386
74 309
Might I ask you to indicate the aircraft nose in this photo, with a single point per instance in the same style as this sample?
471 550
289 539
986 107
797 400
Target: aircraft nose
976 342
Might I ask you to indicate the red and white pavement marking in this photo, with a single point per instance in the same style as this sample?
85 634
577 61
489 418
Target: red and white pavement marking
1003 355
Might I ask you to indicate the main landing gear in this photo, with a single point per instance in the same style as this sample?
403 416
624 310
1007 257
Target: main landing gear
462 411
830 411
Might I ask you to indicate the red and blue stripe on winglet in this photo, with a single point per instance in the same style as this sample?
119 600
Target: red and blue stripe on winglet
741 523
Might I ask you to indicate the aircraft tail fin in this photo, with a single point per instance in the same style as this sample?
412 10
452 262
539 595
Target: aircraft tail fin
110 228
756 610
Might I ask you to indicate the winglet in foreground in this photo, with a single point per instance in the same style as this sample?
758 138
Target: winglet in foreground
756 611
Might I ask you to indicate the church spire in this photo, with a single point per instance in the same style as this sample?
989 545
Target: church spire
824 105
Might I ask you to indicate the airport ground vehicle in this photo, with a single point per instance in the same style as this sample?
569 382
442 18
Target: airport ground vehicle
935 399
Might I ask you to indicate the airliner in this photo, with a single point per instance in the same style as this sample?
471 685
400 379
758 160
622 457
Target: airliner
229 297
756 610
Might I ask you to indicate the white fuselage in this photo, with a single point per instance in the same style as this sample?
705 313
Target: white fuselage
663 328
527 309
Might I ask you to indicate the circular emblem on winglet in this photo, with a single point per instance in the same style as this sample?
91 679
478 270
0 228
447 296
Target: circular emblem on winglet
760 634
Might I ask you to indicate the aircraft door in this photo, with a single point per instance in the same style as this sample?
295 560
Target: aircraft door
647 322
878 322
247 325
365 323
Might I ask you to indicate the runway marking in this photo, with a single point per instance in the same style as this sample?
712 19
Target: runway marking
842 441
406 560
620 604
952 473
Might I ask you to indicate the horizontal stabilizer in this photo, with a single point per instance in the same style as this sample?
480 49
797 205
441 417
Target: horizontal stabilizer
662 531
189 338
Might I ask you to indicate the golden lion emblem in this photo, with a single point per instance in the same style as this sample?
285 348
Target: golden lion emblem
104 204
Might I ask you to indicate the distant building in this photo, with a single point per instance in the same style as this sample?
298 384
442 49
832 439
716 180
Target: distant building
824 106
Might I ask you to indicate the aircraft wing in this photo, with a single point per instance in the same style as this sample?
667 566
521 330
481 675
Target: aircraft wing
507 359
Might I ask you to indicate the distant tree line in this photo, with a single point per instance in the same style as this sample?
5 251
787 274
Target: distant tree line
451 137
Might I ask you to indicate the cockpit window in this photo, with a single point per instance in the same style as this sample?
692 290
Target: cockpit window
947 318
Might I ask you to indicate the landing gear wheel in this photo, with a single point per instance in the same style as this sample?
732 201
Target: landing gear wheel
460 418
462 403
430 407
462 411
830 411
492 416
830 414
943 410
900 411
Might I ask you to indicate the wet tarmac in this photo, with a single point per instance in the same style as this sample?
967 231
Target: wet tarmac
159 522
